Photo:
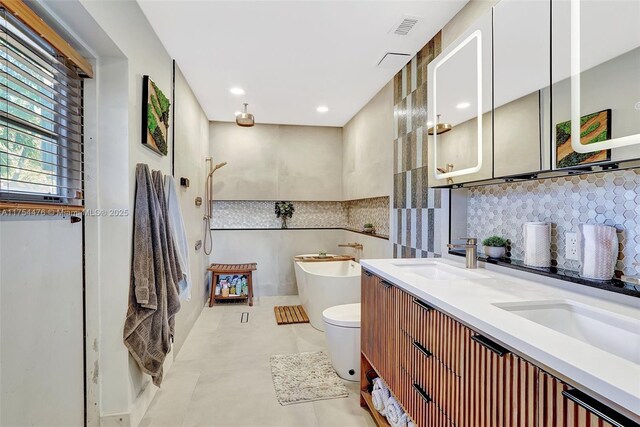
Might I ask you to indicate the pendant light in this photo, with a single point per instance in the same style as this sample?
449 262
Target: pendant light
245 119
439 128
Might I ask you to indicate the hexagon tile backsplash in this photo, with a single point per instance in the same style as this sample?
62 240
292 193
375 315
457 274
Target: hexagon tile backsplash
611 198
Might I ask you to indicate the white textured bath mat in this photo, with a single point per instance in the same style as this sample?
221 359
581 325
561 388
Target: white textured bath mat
305 377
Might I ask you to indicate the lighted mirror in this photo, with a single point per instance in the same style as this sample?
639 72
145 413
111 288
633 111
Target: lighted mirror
459 108
521 64
596 76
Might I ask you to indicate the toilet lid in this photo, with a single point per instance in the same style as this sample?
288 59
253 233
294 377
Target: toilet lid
347 315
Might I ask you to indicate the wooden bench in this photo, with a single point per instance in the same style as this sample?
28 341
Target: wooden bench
218 270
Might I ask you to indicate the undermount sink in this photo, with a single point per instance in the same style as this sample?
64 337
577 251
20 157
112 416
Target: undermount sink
613 333
434 270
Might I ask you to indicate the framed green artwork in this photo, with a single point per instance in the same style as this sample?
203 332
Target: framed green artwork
155 117
594 128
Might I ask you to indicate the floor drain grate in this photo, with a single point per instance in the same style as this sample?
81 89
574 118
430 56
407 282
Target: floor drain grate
245 317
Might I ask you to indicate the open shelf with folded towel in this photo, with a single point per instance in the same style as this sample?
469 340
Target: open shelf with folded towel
366 398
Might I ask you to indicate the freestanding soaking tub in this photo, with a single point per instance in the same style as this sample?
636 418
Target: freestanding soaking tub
326 284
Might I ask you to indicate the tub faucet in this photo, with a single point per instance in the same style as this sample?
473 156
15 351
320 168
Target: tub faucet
357 246
471 251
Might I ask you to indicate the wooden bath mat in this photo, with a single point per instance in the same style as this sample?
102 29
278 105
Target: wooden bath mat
288 314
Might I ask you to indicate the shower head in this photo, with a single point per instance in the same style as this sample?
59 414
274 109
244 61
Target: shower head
212 168
219 165
245 119
439 128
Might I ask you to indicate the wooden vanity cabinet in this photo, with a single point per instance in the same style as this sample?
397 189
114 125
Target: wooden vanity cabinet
445 374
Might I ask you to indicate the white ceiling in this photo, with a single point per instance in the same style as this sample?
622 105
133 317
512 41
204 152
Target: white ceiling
290 56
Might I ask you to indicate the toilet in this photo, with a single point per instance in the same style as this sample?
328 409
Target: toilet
342 329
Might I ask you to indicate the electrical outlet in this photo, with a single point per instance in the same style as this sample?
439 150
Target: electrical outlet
571 248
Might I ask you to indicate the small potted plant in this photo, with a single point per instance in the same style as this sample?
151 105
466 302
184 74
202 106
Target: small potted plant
494 246
369 228
322 254
284 211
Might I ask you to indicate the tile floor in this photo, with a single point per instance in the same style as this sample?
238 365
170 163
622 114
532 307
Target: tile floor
222 377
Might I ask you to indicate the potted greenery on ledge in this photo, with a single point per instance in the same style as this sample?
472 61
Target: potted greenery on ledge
369 228
284 211
494 246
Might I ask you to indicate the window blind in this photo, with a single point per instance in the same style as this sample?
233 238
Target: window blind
41 129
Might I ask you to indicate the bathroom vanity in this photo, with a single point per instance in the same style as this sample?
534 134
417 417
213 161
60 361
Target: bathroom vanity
474 348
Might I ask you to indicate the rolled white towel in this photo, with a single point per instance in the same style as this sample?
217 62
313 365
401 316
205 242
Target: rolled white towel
402 422
378 400
382 393
394 412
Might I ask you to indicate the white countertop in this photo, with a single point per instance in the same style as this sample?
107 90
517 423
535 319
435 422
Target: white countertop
616 381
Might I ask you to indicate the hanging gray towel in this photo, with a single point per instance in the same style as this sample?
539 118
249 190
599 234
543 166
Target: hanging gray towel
152 291
173 270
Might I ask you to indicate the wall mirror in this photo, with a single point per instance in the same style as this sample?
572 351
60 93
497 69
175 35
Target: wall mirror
521 64
596 82
459 106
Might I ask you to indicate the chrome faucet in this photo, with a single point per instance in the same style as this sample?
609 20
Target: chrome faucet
357 246
471 251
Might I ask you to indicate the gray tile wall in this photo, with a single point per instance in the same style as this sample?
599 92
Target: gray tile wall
611 198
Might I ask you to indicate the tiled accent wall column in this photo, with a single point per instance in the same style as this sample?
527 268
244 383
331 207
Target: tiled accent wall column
417 210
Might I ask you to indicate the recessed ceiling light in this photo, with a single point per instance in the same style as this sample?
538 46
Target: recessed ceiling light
322 109
237 91
463 105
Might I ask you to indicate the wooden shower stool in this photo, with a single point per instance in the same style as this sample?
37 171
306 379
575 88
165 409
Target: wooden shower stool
229 269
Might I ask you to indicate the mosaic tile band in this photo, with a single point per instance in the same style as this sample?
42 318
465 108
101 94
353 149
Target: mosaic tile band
352 214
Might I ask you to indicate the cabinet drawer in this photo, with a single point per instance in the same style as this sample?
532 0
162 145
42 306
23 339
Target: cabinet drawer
427 375
443 386
419 404
444 336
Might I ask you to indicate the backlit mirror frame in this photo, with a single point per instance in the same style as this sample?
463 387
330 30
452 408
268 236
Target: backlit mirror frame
577 146
477 37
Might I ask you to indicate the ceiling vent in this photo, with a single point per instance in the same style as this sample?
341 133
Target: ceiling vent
405 25
394 61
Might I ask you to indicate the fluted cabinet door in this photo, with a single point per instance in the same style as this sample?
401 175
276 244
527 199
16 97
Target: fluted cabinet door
368 309
379 324
498 390
555 410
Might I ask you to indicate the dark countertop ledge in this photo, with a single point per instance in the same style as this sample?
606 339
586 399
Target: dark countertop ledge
614 285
